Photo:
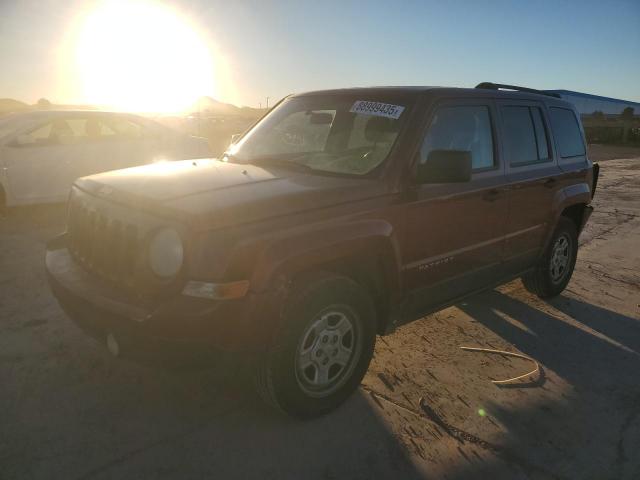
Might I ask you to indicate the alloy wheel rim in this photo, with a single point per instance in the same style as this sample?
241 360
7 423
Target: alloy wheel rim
560 258
327 351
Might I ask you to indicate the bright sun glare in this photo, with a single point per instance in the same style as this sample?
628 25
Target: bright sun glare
142 56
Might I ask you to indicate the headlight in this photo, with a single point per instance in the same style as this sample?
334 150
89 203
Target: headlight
166 253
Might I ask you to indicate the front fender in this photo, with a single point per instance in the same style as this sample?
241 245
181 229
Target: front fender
366 239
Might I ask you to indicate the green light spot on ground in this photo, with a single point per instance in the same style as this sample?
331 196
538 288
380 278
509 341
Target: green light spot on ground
481 412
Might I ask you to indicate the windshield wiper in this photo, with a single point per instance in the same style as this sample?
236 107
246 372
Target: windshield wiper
278 161
275 160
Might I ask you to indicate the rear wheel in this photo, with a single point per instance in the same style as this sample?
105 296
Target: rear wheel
323 348
554 269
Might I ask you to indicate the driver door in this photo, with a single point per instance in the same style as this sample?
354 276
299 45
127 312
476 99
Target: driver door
455 232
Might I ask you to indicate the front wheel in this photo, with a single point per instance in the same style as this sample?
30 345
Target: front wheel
322 349
555 267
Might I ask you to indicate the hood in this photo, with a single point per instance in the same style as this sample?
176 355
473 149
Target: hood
211 193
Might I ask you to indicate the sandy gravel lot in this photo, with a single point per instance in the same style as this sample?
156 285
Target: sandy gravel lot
68 410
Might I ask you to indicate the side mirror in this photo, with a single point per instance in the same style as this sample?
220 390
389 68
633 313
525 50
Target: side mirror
235 137
445 166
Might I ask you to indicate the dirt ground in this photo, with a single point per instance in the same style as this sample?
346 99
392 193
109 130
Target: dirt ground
68 410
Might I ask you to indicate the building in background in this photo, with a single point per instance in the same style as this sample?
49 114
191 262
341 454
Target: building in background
605 119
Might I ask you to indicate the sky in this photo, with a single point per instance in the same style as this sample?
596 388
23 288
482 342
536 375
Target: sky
107 51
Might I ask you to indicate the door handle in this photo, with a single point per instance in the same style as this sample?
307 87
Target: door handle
492 195
550 183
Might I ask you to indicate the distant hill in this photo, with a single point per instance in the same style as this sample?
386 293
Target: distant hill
8 105
206 105
211 106
73 107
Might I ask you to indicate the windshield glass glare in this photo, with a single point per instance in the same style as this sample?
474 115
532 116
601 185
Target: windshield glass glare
336 134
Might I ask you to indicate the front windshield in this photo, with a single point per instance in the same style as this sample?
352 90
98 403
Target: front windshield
326 133
7 126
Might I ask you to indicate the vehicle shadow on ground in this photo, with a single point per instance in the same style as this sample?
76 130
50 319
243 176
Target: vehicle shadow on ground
620 328
143 423
574 353
579 425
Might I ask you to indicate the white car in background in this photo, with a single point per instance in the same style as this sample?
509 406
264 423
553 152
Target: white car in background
43 152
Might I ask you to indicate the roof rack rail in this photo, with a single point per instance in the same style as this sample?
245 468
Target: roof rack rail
497 86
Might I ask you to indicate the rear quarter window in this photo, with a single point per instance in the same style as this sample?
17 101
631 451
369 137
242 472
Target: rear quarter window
566 131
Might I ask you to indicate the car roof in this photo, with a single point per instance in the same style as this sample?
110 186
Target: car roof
440 92
37 116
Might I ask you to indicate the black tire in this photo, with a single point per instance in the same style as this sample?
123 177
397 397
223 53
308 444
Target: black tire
548 279
281 381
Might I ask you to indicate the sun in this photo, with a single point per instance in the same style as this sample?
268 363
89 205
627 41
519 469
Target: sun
141 55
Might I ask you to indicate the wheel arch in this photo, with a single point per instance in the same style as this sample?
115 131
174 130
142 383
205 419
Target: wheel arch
572 202
575 213
365 251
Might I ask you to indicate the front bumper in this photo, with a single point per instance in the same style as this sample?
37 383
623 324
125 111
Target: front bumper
180 321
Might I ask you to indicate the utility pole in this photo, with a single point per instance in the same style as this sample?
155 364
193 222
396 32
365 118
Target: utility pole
260 103
267 103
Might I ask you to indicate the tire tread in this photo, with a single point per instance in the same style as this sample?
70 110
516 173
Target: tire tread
537 281
303 289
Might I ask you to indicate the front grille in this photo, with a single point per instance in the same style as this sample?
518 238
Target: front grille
106 246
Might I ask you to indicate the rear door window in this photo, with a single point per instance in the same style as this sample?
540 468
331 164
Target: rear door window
465 128
525 136
566 131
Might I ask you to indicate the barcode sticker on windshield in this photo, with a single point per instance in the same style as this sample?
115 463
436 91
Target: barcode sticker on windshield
376 108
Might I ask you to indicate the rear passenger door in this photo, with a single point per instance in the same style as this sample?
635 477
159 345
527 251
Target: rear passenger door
454 235
533 178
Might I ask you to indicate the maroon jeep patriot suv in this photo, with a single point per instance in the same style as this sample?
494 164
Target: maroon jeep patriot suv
338 216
